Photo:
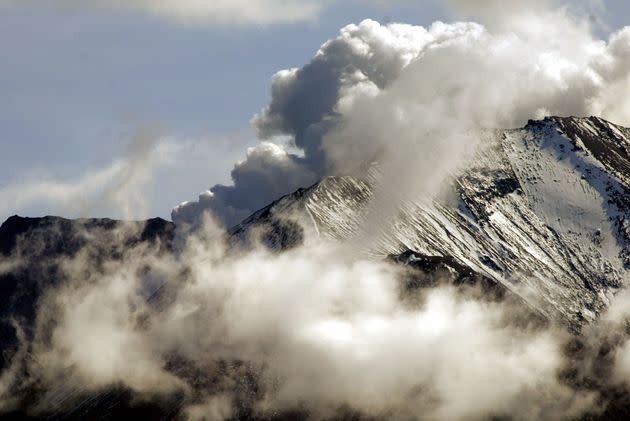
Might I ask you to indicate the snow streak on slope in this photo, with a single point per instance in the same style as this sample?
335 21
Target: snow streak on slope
544 210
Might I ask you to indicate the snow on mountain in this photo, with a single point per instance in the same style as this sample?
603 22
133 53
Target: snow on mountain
544 210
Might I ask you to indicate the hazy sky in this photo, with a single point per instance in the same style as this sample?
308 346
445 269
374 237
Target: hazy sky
86 88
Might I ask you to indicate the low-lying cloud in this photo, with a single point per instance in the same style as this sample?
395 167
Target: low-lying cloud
316 329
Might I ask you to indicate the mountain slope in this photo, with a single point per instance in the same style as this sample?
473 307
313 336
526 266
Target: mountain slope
32 252
543 210
31 249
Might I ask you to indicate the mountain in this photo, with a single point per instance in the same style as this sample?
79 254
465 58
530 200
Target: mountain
543 210
31 253
542 214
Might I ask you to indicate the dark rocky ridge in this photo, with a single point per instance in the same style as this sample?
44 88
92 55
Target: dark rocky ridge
431 271
56 235
36 245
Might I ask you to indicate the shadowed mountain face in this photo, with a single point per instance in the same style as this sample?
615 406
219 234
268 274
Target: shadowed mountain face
31 252
542 215
36 245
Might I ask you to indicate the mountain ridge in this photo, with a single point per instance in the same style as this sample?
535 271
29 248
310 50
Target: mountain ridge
541 213
546 206
545 203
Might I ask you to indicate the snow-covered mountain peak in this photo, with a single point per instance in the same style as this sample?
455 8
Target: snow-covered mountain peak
544 210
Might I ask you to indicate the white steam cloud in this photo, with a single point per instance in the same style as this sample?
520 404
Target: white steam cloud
412 98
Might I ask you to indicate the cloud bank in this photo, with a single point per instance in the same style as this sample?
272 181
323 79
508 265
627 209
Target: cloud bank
198 12
315 329
412 98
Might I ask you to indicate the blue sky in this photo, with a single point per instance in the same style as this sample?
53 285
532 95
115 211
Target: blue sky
79 84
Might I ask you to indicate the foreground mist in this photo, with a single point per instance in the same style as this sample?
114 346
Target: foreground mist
220 332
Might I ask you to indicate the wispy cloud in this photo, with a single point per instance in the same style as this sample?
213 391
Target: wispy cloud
123 188
232 12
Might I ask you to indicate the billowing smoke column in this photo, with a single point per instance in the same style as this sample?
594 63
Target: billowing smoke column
407 95
306 104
